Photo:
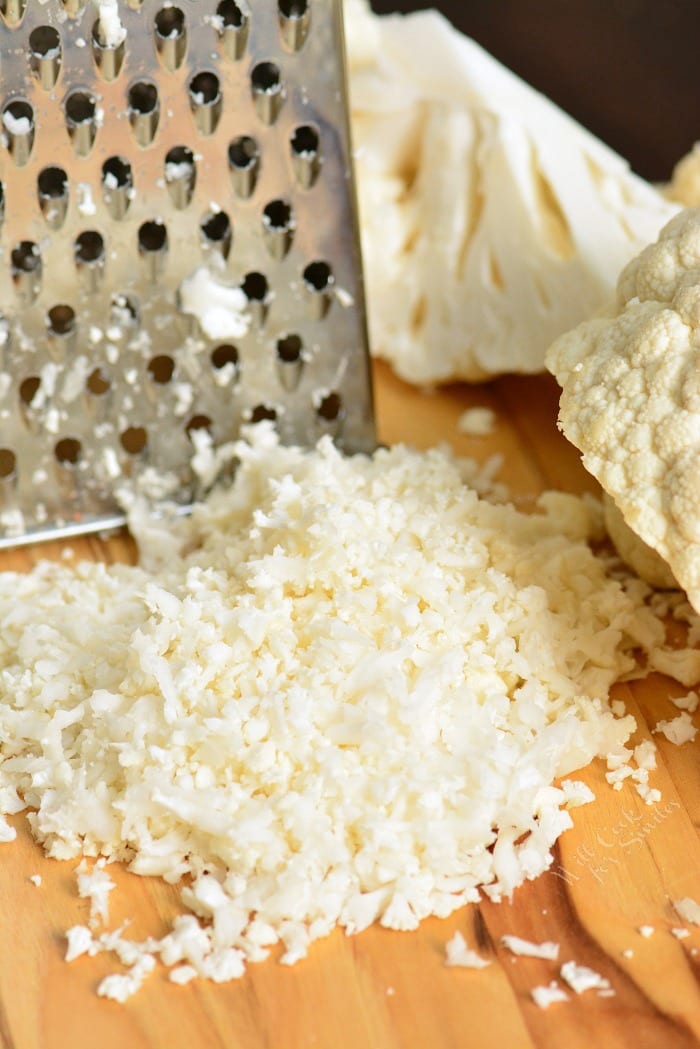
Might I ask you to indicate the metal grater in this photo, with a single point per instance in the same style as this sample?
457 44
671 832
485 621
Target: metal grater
212 140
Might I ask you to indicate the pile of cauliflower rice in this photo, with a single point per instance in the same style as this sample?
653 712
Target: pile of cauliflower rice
343 695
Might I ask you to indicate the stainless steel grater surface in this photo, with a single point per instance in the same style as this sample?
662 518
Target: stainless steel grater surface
209 146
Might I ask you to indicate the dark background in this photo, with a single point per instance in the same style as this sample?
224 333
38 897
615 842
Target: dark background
629 70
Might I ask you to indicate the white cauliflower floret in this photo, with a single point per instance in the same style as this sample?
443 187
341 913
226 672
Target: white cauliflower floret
685 181
631 397
491 221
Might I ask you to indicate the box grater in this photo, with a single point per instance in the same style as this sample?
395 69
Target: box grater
179 247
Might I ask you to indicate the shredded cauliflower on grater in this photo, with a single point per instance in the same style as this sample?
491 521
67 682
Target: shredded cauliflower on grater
343 696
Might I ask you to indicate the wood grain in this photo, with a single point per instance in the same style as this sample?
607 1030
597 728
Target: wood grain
617 869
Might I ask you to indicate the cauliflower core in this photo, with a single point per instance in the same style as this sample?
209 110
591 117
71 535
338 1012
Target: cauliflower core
491 221
631 397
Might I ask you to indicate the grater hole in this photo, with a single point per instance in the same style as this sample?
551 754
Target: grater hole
8 464
268 91
278 227
232 24
198 422
289 349
89 247
67 451
28 389
294 18
13 11
80 107
133 440
61 319
216 232
305 139
109 57
144 111
289 361
81 120
143 98
26 257
161 369
266 78
153 246
262 412
2 202
318 276
25 263
255 287
306 155
330 408
52 190
171 37
97 383
18 125
257 291
293 8
244 164
205 101
170 22
318 280
89 255
117 186
223 355
277 215
45 55
230 13
153 236
180 175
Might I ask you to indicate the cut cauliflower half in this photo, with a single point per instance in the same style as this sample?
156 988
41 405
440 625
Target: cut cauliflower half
491 221
631 397
684 186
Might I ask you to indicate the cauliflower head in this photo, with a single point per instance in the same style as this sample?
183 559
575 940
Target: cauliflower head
491 222
631 397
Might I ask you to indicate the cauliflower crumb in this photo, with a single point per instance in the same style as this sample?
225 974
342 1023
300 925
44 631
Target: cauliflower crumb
580 978
477 422
458 954
646 931
678 730
122 986
680 933
35 879
515 945
80 941
645 755
182 974
544 996
96 885
7 833
688 702
688 909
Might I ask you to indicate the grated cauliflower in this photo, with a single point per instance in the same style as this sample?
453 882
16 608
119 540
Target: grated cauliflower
491 221
341 693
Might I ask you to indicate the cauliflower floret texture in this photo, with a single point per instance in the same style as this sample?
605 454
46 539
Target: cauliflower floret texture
491 221
631 397
685 183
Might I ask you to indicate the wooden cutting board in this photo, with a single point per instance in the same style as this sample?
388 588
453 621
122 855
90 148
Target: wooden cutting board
615 871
